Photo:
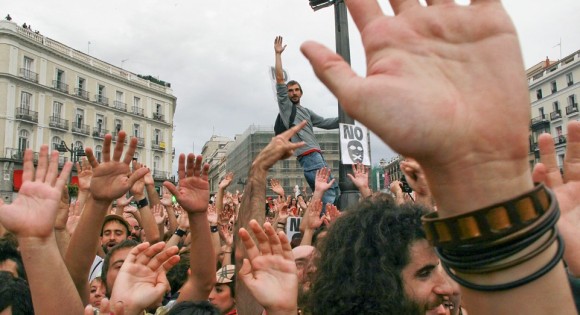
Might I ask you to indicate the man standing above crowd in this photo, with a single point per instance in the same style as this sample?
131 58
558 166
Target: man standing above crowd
310 155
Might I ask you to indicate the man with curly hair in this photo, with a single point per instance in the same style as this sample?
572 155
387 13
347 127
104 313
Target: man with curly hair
380 259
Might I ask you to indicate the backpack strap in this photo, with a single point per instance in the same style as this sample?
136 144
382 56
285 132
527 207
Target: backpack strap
292 117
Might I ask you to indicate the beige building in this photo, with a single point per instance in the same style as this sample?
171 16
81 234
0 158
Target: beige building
53 94
554 90
214 153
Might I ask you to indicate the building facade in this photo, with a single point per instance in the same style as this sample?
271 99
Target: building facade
244 149
214 153
554 90
52 94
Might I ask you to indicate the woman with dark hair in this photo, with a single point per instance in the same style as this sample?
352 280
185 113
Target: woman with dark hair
223 294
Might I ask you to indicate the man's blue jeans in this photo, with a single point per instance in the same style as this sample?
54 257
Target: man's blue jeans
312 163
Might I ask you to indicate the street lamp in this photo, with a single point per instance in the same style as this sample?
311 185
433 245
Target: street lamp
75 152
349 194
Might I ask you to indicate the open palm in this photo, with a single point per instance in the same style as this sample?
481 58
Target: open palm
33 212
439 65
193 190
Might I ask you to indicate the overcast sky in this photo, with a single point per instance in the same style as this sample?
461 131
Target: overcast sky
216 53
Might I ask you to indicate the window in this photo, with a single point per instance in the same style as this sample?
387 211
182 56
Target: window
156 163
572 100
541 111
99 152
286 164
118 125
119 96
569 79
79 120
136 130
158 109
28 62
539 94
57 109
554 86
78 145
60 76
101 90
556 106
136 156
100 123
82 83
25 100
23 143
136 101
559 130
157 137
55 143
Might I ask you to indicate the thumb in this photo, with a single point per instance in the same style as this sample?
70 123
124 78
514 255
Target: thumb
172 189
137 175
245 272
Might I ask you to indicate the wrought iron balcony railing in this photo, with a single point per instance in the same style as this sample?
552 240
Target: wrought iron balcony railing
26 115
28 75
57 122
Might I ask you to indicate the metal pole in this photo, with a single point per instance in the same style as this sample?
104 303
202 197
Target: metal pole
349 194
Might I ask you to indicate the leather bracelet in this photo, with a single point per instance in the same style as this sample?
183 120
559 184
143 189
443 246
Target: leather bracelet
514 284
483 228
142 203
180 232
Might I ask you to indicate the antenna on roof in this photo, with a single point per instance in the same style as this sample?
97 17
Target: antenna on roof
559 44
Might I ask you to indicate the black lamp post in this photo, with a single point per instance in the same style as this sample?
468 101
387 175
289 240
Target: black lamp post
75 152
349 194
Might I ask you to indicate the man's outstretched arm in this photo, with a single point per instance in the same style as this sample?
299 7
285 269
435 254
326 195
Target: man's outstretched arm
278 50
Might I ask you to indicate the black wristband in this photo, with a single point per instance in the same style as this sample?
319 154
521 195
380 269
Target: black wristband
142 203
180 232
213 228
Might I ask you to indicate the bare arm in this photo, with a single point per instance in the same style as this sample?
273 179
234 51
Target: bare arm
193 195
279 49
252 204
147 218
464 171
108 183
31 218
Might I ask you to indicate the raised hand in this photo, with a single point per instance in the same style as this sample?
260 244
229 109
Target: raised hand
159 214
415 176
321 183
279 148
138 188
212 215
278 45
270 271
332 214
74 215
33 212
276 187
566 189
167 199
148 178
226 181
62 214
84 173
193 190
183 221
359 176
112 178
142 279
314 219
451 50
123 201
226 235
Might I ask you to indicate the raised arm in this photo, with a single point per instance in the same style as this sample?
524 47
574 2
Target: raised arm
252 206
110 181
31 218
278 50
193 195
143 204
360 178
452 50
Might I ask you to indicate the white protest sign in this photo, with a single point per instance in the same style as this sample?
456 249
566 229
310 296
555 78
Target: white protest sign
292 227
354 144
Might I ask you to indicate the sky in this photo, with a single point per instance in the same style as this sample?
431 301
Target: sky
216 54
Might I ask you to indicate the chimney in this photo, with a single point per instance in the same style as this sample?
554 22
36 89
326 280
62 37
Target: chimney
547 62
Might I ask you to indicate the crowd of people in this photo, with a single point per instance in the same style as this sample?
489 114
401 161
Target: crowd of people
481 234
